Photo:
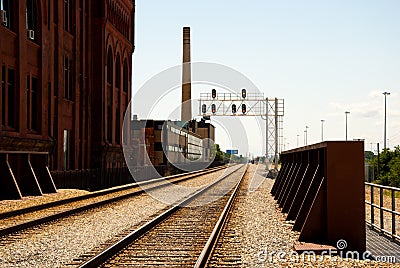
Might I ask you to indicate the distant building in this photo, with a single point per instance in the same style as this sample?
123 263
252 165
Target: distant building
65 79
158 142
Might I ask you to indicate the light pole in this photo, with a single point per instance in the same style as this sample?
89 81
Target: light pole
305 135
384 128
346 123
298 140
284 144
322 129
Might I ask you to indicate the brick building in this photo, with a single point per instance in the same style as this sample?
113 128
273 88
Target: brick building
66 78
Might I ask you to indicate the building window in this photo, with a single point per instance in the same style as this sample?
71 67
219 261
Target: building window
11 98
118 122
68 15
8 98
31 20
126 77
68 82
109 67
118 104
28 101
109 89
118 73
109 114
35 99
3 95
7 13
33 103
66 150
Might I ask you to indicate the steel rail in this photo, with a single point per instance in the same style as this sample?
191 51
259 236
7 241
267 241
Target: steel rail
95 194
55 216
215 234
131 237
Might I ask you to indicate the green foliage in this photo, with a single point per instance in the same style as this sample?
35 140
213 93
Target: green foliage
219 155
224 157
368 155
236 159
389 167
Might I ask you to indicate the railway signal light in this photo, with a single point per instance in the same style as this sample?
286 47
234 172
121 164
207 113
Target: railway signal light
243 93
203 108
213 93
213 108
233 108
243 108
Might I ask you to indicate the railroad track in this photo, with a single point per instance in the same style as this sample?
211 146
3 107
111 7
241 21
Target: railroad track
182 236
18 220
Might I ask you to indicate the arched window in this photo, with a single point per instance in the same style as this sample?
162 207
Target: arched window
118 73
118 120
118 104
109 67
109 89
126 77
31 20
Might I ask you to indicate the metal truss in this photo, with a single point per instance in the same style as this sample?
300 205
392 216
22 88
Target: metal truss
270 109
274 128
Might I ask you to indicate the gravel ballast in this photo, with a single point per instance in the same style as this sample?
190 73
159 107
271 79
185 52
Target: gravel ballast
58 243
30 201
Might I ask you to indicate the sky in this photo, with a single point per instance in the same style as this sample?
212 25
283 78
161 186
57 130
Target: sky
322 57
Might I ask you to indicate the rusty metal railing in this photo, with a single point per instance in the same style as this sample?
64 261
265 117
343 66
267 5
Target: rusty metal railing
383 193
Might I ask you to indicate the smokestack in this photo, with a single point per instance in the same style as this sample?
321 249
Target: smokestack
186 109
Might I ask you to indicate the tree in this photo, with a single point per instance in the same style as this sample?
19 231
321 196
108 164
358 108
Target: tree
389 167
368 155
218 153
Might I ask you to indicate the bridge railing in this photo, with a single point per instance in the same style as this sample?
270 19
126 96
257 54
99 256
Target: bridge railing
321 188
381 209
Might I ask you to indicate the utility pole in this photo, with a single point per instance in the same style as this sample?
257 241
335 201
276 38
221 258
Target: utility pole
298 140
305 135
322 129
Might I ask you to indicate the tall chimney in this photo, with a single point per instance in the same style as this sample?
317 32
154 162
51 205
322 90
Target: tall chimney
186 109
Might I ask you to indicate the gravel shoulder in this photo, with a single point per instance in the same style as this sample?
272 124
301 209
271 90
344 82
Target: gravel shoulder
261 232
